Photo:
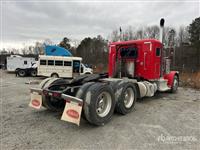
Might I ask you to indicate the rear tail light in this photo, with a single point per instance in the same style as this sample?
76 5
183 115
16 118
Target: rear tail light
55 94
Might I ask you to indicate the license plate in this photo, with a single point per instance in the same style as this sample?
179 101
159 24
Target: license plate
36 100
73 109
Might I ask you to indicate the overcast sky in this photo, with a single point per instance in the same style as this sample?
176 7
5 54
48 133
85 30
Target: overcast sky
26 21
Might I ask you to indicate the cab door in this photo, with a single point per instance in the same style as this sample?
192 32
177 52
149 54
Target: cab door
147 55
157 61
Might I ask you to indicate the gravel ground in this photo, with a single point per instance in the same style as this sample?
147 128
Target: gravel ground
166 121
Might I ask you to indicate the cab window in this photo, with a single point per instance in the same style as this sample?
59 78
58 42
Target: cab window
129 52
158 52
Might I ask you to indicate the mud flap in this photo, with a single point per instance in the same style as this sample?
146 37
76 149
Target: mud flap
36 98
73 109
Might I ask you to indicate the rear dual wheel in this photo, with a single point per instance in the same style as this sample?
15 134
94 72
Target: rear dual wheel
126 96
99 100
99 103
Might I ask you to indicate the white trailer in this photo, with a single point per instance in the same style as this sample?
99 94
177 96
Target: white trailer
15 62
22 65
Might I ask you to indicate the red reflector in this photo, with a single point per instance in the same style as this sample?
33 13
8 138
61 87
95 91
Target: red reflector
72 113
55 94
35 102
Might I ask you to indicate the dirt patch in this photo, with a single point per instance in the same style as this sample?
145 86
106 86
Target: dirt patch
155 123
190 79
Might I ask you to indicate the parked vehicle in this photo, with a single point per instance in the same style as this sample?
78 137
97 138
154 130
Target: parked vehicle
59 66
137 69
22 65
86 69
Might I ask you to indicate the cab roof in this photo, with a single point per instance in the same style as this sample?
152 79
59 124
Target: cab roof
135 42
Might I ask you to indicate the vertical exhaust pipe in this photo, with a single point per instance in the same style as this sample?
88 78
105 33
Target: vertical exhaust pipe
162 22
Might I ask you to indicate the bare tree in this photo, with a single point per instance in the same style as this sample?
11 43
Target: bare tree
65 43
39 49
24 51
129 34
183 35
151 32
48 42
140 33
115 36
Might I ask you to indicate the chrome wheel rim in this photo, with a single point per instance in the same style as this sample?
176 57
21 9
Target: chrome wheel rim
129 97
104 102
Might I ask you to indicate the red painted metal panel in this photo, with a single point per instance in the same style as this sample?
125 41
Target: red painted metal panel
170 78
147 64
112 60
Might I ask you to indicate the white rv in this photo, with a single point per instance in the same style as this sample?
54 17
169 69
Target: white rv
60 66
15 62
22 65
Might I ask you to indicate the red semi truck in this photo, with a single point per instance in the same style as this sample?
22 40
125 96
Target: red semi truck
137 68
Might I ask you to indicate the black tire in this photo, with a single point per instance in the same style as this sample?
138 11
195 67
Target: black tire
175 84
114 85
125 105
33 72
54 75
92 101
21 73
83 89
43 83
82 93
59 81
87 73
91 77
